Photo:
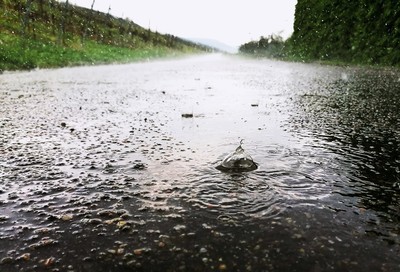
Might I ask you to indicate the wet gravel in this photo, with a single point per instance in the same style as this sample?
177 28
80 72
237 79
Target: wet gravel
113 168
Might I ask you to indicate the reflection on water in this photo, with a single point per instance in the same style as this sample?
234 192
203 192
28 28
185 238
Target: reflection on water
103 155
284 178
358 119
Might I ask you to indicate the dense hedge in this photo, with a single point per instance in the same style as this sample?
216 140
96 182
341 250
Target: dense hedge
362 31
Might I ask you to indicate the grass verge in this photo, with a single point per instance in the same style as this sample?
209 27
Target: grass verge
21 53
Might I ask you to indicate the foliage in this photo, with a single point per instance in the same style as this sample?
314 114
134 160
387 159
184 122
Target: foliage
353 31
270 46
359 32
48 33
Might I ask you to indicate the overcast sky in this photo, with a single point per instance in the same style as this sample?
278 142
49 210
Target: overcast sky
233 22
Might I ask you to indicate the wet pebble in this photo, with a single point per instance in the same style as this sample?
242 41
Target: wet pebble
48 262
179 227
12 196
93 221
161 244
67 217
46 241
6 260
24 257
139 166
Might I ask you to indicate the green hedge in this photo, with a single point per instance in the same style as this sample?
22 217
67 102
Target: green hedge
354 31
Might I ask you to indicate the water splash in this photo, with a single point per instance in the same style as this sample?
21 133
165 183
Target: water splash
237 161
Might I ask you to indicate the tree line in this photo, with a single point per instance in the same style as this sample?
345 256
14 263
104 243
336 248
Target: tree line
365 32
269 46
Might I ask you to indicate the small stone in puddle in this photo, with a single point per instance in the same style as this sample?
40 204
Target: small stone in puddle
187 115
139 166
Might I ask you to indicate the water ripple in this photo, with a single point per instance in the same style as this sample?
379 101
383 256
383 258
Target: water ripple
262 193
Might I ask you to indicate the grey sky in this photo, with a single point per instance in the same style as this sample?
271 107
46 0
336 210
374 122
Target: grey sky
233 22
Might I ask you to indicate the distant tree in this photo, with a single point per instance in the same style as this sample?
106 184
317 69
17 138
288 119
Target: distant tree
270 46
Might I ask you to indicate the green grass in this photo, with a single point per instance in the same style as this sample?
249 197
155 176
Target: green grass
108 39
18 53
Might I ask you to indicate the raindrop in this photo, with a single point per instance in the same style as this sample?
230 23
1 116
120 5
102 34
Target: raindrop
344 77
238 161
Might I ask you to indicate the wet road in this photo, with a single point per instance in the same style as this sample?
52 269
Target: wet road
112 168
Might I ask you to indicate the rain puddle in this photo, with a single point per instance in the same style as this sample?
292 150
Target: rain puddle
126 167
